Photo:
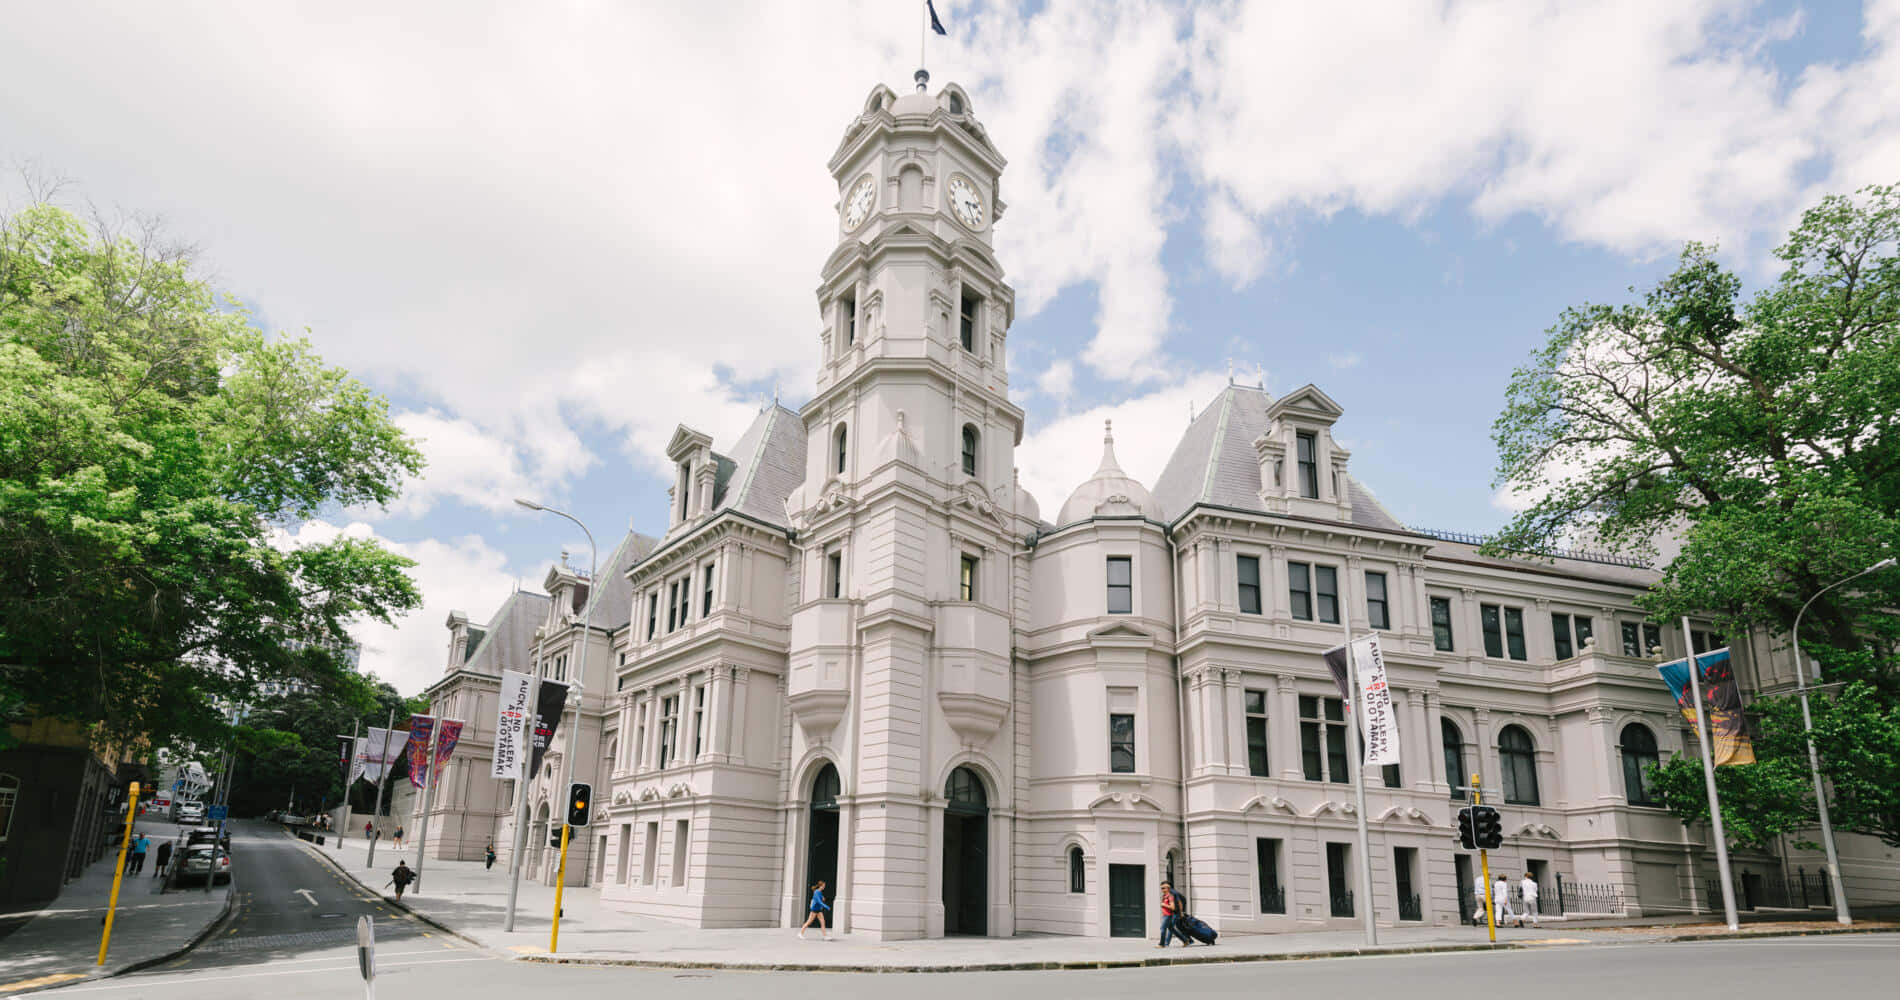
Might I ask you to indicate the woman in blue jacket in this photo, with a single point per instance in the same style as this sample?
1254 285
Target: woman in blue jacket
818 910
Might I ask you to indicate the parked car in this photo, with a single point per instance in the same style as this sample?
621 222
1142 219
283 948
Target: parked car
201 835
201 862
190 812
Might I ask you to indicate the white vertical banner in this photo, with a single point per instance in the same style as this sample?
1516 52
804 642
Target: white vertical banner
511 722
1380 723
359 759
382 748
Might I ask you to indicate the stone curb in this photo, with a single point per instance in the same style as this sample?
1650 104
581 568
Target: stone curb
211 926
404 907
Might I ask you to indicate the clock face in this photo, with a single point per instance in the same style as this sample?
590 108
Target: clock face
857 202
965 202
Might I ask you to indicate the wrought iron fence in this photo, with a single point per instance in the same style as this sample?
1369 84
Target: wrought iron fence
1799 891
1585 897
1273 900
1411 907
1342 904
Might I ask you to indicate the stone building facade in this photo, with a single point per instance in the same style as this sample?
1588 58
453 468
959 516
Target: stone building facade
860 653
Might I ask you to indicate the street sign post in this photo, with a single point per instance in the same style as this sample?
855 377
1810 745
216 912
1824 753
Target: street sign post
366 954
217 814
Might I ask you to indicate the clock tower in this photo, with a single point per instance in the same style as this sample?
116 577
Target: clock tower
910 522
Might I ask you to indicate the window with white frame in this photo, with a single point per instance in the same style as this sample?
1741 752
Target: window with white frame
1503 631
1569 633
1313 590
1256 705
699 720
1121 585
1378 614
1247 577
966 577
669 726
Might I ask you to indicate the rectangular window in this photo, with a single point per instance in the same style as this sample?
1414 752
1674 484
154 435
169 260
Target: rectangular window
1585 631
1121 743
1247 570
705 608
1323 739
1256 733
1308 458
684 489
1405 874
650 854
966 321
848 312
672 607
682 843
1632 643
699 720
1492 621
1703 642
1326 593
1377 615
966 578
1266 860
669 724
1299 589
640 737
653 614
1441 624
1560 636
1121 585
686 598
1514 633
834 574
1652 637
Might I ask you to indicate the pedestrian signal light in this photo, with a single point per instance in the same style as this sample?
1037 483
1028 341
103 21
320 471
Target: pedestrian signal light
1466 837
580 803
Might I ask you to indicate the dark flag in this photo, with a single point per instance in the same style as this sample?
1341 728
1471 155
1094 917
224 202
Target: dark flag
935 25
1728 729
551 699
1336 662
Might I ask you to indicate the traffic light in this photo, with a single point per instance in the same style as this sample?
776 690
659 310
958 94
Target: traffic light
1488 826
580 803
1466 838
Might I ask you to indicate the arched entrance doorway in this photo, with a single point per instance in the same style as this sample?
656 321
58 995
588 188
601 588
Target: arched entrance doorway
966 865
821 834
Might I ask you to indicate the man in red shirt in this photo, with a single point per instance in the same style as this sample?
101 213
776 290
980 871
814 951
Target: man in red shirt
1167 916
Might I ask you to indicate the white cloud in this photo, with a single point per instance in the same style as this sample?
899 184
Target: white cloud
464 463
460 574
1057 381
1341 362
1058 456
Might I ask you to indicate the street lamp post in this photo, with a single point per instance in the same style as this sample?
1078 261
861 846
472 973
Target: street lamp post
1814 759
580 679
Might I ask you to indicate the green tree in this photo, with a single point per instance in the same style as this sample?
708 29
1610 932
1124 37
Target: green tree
1760 432
289 744
154 447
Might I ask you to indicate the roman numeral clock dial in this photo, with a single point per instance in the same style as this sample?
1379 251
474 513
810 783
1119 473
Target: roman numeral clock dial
965 202
857 203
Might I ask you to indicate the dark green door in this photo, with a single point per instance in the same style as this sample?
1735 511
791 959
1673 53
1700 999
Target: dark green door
966 863
1126 885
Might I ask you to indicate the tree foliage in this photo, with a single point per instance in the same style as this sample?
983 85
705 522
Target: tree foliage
288 746
154 445
1760 432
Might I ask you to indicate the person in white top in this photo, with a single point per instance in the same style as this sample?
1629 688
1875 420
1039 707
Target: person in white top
1501 900
1528 888
1477 898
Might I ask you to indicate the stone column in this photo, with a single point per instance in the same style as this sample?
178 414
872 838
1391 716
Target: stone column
1284 723
1234 721
1551 789
1473 643
1208 553
1484 755
1609 764
718 697
736 740
1352 581
1435 746
1282 604
1424 773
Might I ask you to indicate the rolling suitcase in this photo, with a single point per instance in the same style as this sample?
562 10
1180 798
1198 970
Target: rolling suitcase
1196 929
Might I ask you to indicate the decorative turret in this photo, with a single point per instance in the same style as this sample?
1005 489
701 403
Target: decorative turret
1110 492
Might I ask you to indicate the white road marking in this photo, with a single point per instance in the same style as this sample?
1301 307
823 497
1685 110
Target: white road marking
305 893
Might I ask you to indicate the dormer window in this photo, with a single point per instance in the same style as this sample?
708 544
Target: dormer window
956 104
1308 457
967 311
684 491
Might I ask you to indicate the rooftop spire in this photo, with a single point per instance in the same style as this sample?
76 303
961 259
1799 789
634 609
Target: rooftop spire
1109 466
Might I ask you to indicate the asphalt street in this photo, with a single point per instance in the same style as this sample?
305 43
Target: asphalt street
1844 967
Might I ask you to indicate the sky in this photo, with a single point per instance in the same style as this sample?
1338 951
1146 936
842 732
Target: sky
551 233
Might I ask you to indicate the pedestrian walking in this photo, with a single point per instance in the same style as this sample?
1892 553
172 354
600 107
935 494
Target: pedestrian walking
140 845
164 858
1528 888
400 878
369 830
398 836
1477 898
489 857
817 911
1169 907
1501 900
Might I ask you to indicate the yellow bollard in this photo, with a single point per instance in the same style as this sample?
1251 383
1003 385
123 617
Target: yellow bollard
560 883
125 844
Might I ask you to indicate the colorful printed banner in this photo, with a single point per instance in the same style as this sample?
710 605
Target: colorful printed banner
548 705
1728 728
445 745
511 723
421 727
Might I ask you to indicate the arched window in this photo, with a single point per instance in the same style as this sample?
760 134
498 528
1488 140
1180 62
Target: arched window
838 448
1639 755
824 788
1078 881
1167 874
1455 773
969 449
1517 757
9 795
965 792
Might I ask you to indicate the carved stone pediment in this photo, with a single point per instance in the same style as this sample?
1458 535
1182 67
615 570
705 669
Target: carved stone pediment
1127 800
975 717
1270 802
1405 812
971 497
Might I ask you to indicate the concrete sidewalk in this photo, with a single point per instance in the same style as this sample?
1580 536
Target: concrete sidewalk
463 898
59 945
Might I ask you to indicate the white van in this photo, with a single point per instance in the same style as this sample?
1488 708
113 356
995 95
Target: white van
190 813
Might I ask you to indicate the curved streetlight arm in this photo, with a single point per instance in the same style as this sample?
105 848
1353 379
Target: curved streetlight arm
1800 671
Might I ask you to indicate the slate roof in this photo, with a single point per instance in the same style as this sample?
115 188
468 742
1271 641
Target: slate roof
768 463
1215 463
506 640
612 600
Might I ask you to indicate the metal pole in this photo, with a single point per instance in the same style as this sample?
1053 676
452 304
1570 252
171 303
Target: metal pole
1708 776
1814 759
112 904
1357 768
521 806
344 823
560 883
428 799
382 778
